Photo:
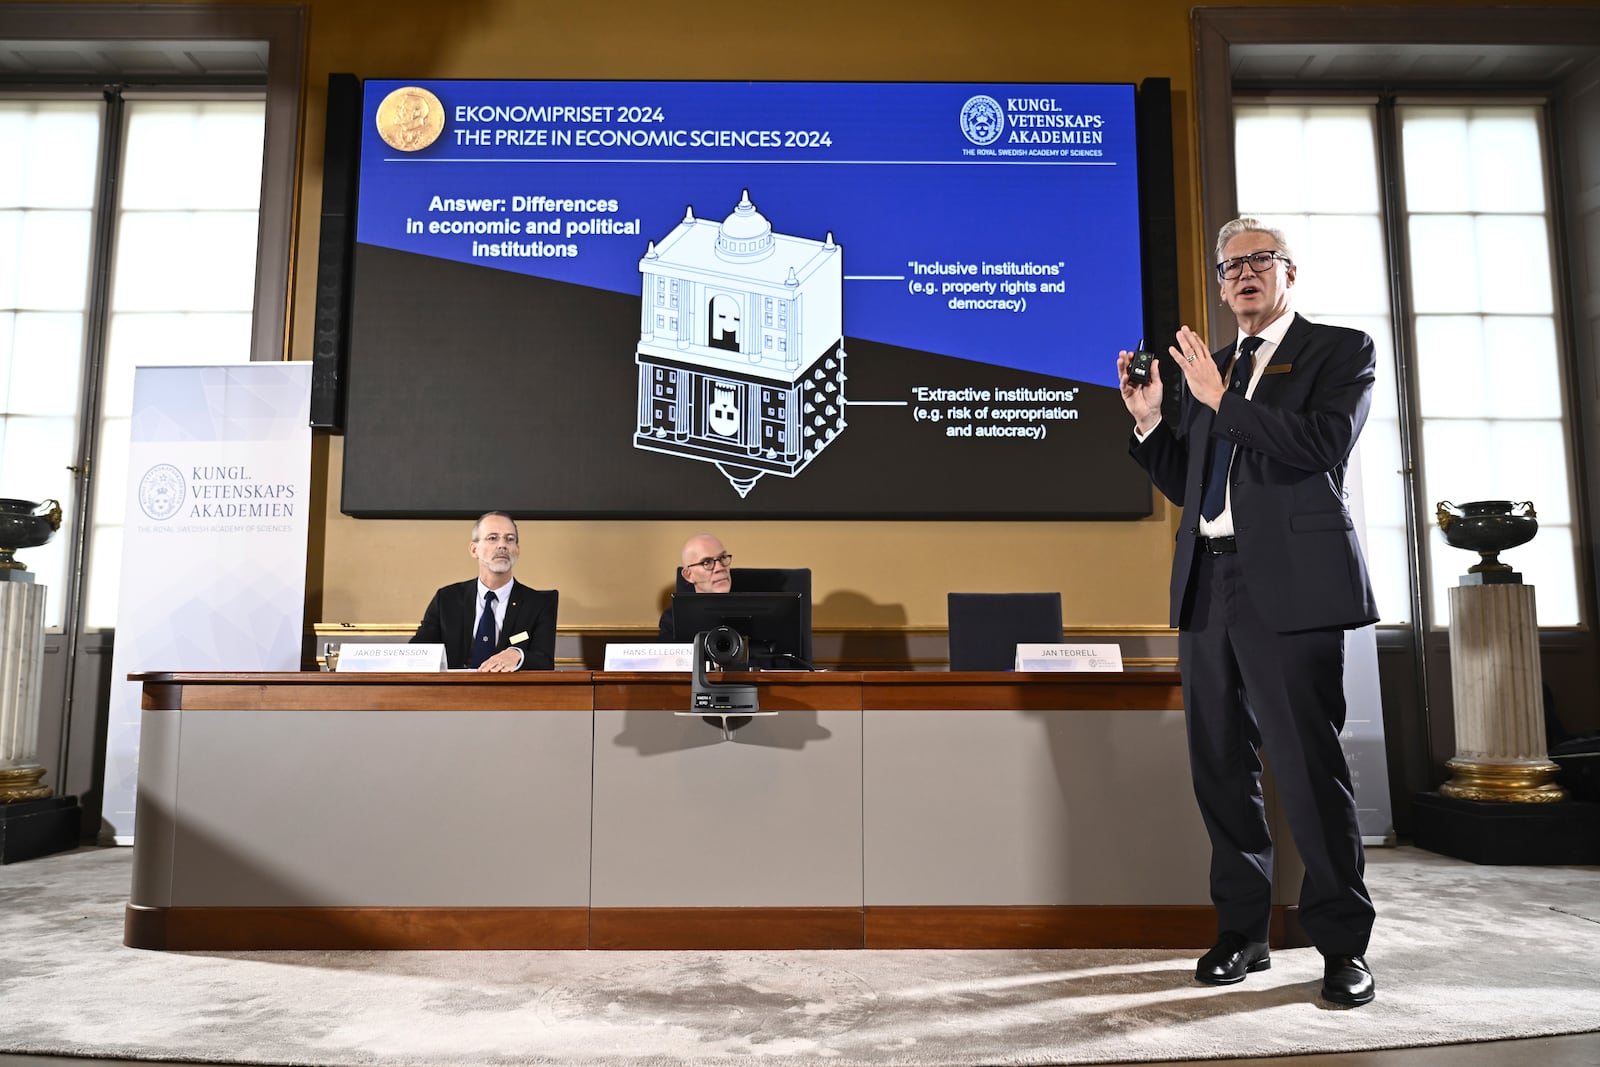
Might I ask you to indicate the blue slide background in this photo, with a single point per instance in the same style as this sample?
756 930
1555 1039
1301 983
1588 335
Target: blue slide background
898 182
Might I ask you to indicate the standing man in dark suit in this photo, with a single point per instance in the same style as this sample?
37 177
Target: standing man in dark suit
1266 577
493 623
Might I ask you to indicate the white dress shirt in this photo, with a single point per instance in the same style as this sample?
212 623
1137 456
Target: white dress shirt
1271 337
501 597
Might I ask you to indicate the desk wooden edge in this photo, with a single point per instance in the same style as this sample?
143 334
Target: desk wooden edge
229 929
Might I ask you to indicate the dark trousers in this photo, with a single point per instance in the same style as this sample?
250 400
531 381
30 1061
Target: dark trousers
1248 689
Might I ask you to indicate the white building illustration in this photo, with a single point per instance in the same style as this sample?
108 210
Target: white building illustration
741 346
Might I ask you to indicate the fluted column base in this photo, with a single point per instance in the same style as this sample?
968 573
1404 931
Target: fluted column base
22 668
22 783
1519 782
1499 714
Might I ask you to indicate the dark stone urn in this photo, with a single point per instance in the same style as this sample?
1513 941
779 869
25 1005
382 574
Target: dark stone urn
1488 527
24 524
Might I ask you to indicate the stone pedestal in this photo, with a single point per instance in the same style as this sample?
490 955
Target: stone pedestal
1499 710
22 671
33 828
1521 834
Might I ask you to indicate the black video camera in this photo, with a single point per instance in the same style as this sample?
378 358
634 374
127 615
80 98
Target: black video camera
728 705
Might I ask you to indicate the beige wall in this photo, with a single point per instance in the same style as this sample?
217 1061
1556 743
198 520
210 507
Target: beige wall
896 574
865 573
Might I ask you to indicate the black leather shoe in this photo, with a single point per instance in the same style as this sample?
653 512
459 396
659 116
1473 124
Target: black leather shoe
1231 959
1347 980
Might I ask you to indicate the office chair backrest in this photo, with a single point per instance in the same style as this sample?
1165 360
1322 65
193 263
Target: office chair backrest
770 580
986 628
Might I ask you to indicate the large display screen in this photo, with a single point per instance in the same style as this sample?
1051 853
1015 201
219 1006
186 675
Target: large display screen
743 300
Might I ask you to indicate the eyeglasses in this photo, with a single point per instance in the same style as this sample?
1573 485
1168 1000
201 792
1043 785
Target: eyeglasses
1260 262
495 539
710 562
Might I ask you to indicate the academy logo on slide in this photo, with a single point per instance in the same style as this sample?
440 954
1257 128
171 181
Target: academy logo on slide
410 119
161 491
982 120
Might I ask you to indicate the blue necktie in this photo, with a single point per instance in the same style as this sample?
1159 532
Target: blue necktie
1216 492
483 640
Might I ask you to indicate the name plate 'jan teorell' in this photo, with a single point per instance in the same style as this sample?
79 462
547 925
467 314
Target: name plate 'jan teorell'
1069 657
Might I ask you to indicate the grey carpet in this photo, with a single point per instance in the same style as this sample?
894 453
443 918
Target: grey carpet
1461 952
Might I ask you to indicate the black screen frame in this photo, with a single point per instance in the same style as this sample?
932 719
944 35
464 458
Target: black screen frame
772 624
375 485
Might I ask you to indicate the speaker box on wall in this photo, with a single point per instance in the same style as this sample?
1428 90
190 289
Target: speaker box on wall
330 356
1158 232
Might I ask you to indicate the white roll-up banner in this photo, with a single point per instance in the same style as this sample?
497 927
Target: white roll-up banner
214 542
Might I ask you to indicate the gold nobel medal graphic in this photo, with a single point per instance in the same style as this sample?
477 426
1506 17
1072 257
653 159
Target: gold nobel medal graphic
410 119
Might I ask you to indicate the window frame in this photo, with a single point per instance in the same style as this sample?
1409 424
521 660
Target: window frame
1240 49
1423 544
282 32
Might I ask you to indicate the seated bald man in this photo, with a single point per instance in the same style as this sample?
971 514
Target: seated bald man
706 565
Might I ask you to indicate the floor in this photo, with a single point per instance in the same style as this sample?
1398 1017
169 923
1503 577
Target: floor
1576 1050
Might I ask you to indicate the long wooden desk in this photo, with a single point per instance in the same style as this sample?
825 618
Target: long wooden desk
574 809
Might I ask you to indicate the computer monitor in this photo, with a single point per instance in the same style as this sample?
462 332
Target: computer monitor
986 628
772 623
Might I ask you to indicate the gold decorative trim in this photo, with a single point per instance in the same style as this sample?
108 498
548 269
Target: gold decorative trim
22 783
1134 630
355 631
380 629
377 629
1526 782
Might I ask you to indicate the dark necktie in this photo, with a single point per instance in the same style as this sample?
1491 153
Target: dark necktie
1216 493
483 640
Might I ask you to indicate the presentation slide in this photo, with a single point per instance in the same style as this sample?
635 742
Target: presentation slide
743 300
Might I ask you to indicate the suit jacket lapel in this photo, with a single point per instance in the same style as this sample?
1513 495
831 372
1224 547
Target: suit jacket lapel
1225 360
1293 343
517 609
1204 417
458 631
1200 436
1291 348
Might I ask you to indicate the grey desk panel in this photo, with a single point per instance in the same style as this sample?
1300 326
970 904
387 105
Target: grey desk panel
1005 808
383 809
155 808
683 818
